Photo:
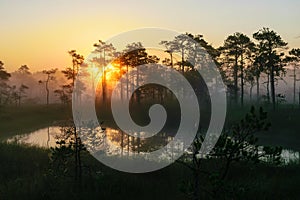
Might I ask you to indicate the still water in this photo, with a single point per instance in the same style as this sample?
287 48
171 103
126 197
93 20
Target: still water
115 139
44 137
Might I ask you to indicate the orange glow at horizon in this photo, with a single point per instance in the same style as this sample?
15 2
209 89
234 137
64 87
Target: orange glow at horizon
112 73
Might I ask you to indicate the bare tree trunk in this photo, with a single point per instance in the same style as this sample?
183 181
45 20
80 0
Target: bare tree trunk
272 79
127 83
137 84
73 74
121 92
251 88
48 136
122 142
104 85
235 77
104 78
47 90
242 81
182 60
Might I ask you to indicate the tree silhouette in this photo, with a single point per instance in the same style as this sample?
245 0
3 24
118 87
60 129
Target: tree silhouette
22 93
270 44
236 144
170 51
16 95
64 93
294 59
238 47
134 55
49 77
231 51
71 72
4 76
24 77
106 52
24 69
67 153
180 45
214 53
250 75
257 68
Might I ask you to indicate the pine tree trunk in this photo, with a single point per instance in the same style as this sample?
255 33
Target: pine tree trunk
127 83
182 61
272 79
47 90
242 82
235 77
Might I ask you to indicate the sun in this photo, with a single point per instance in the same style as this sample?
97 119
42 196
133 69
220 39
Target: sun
112 72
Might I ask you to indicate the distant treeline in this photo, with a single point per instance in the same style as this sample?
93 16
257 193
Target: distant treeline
256 63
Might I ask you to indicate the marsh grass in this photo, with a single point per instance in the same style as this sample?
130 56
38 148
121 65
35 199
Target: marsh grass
25 175
24 169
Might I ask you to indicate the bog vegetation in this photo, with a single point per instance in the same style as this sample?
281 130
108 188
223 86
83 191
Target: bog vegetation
246 162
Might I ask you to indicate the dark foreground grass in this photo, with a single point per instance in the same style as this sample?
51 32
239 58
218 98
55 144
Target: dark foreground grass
25 175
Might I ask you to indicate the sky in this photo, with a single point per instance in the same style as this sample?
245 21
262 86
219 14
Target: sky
39 33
